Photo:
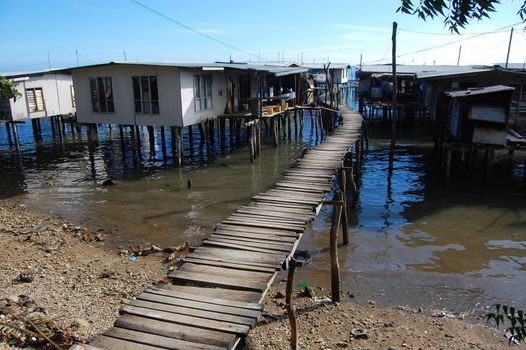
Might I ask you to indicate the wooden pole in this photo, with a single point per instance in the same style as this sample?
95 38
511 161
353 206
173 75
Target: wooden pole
345 220
509 48
8 130
163 143
222 135
395 90
15 135
231 132
335 266
180 145
121 136
290 308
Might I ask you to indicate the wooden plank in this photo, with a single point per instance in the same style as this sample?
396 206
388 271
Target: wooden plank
262 257
217 281
187 320
284 208
276 219
260 239
157 340
176 331
241 228
224 271
120 344
80 346
208 295
214 243
277 214
199 305
230 260
181 310
264 225
246 243
237 266
261 236
268 198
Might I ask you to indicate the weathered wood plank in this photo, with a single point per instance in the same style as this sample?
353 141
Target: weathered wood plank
238 266
209 295
187 320
176 331
157 340
109 343
224 271
198 305
264 225
215 243
245 243
260 257
260 236
241 228
217 281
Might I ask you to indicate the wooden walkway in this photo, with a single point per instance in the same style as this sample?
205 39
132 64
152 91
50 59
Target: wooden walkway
215 297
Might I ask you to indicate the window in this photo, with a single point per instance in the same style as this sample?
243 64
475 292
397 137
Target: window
146 95
35 100
203 92
101 94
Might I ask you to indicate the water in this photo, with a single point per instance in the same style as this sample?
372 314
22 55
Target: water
413 240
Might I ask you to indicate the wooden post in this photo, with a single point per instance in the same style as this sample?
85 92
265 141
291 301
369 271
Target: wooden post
222 135
290 308
335 265
173 145
163 143
275 131
8 130
52 122
302 121
201 133
209 152
295 124
121 136
358 163
138 137
238 131
151 140
395 92
289 126
180 145
250 142
15 135
258 135
345 221
231 133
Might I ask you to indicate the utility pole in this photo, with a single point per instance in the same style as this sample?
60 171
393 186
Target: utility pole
77 55
124 53
395 88
459 51
48 60
360 61
509 47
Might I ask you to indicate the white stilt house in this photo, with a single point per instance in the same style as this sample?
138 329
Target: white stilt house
168 94
43 94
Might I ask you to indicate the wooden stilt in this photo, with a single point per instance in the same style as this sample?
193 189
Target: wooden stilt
358 164
222 136
180 152
52 122
345 221
275 132
289 126
238 131
201 133
250 134
151 137
231 133
15 136
121 136
8 131
295 125
173 143
138 137
290 308
335 265
258 138
163 144
209 155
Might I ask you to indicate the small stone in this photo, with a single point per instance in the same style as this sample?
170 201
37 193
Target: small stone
26 277
279 295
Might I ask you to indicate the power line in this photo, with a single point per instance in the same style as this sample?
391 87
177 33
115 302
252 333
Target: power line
158 13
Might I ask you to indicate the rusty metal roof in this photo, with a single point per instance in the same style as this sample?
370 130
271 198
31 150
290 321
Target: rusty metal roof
479 91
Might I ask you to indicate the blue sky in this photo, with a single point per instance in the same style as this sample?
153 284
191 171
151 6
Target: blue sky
100 30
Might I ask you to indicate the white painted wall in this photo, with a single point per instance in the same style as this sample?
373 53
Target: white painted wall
56 89
168 84
219 95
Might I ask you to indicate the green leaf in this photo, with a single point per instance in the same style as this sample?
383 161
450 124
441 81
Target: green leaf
303 284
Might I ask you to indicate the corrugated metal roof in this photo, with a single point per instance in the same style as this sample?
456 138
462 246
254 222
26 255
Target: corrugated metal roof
479 91
332 66
420 70
269 69
513 66
12 75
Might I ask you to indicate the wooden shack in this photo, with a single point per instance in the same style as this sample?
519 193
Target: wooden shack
480 115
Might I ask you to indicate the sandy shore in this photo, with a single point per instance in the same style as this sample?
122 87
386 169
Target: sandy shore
51 266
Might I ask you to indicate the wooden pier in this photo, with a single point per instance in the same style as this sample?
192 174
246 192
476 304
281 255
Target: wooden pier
216 296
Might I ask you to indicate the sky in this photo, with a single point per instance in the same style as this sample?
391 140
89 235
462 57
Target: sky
39 34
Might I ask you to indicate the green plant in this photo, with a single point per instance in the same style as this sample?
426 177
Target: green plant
8 89
514 316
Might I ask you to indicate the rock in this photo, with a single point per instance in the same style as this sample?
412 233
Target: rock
108 182
389 324
12 299
279 295
26 277
106 274
35 315
80 325
359 333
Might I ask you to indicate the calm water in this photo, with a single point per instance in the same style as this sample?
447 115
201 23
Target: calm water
414 241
